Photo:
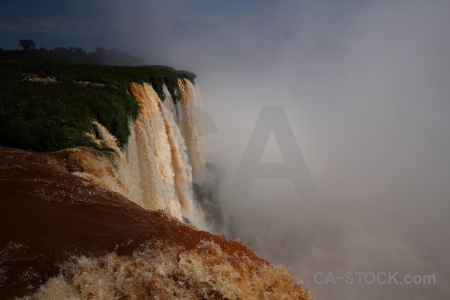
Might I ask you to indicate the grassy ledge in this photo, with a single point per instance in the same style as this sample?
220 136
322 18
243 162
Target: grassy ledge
54 115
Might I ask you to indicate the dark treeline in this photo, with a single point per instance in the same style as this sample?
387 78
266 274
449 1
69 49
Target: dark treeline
100 56
48 105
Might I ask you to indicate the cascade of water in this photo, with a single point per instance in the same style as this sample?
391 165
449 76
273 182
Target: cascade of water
171 105
189 125
155 168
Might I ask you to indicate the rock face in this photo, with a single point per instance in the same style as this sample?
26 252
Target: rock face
67 237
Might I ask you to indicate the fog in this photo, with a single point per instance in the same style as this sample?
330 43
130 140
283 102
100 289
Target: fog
364 86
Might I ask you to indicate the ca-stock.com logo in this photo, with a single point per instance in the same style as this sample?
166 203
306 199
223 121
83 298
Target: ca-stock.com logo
373 278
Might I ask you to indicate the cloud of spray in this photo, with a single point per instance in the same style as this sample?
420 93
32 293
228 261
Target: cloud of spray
365 90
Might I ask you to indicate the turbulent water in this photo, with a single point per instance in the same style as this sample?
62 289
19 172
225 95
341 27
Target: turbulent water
81 224
155 168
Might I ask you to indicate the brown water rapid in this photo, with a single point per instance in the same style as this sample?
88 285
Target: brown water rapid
63 236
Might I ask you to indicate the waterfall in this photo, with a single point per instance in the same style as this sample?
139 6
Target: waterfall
156 167
189 125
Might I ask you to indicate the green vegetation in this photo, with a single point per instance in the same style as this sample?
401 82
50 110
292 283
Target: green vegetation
15 66
49 117
55 115
100 56
27 44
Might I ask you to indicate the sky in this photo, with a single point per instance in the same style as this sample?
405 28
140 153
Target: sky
354 94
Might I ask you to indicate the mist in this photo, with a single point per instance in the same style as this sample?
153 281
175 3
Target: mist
365 88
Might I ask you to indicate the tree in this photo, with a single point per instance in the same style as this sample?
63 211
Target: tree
27 44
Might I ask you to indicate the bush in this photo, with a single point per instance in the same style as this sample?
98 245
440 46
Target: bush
53 116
